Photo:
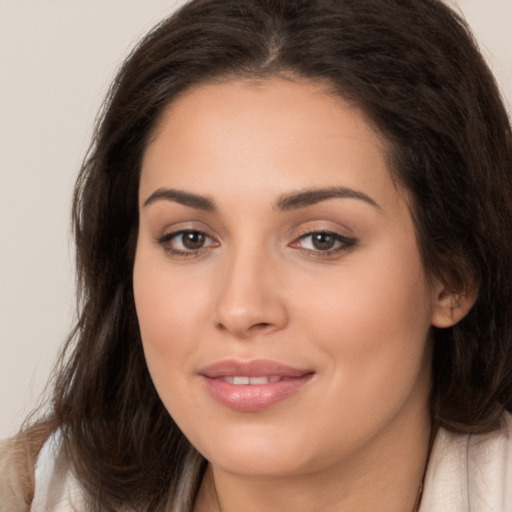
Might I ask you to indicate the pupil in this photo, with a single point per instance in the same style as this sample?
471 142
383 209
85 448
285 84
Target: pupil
323 241
193 240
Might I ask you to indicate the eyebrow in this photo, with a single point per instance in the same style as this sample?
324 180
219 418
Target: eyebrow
309 197
185 198
287 202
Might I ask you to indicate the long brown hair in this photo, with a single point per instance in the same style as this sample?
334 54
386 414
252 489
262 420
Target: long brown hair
414 70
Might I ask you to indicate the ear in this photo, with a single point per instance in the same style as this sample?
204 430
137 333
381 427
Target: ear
450 307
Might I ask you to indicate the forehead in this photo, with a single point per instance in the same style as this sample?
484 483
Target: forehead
268 135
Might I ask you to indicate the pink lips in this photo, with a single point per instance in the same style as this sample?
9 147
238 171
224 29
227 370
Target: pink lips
252 386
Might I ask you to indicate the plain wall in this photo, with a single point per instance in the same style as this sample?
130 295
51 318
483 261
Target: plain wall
56 61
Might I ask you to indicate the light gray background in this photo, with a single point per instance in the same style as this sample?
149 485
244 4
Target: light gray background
56 60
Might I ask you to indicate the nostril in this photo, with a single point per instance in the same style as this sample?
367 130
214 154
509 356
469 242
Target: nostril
221 326
260 326
245 331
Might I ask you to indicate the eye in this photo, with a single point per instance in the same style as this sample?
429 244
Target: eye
323 242
186 242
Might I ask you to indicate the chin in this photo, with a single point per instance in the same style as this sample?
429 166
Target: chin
255 454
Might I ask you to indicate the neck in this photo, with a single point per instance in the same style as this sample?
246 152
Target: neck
384 477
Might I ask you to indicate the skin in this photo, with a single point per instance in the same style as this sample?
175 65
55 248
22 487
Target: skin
355 436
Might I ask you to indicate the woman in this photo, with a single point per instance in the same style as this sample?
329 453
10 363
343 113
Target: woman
294 263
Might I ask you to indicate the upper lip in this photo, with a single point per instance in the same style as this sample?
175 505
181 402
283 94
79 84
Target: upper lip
254 368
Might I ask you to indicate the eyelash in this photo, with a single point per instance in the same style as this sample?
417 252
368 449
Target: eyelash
166 242
342 243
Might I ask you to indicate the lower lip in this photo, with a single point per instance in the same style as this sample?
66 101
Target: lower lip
254 397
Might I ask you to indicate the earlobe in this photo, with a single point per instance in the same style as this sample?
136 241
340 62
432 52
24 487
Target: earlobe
450 307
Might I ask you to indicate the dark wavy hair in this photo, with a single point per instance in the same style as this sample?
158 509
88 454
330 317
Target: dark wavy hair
414 70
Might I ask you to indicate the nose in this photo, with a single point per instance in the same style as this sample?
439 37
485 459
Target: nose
251 298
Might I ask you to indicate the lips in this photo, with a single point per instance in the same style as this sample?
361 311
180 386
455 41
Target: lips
253 386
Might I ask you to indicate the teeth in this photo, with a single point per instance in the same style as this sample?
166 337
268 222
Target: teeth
258 380
242 380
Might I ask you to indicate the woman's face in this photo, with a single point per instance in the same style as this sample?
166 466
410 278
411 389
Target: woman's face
282 301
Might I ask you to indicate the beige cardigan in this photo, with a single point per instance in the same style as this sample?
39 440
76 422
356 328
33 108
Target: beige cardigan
16 476
466 473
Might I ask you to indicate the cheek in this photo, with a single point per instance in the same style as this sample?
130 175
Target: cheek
169 299
373 323
169 307
382 309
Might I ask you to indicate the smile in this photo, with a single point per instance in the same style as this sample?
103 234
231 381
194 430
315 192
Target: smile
253 386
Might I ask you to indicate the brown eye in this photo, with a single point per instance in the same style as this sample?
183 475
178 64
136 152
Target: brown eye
323 241
326 243
187 242
193 240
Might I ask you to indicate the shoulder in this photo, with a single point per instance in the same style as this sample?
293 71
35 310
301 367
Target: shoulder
17 462
56 488
35 475
470 472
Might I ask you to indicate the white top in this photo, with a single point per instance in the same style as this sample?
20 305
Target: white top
470 473
466 473
56 489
